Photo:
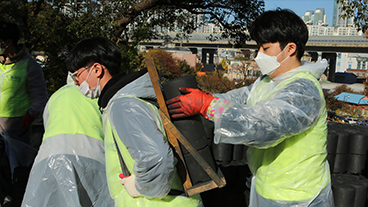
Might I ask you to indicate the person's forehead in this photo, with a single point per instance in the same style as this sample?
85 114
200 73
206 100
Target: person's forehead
270 44
79 69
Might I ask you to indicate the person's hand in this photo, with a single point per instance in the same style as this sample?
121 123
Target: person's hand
26 121
193 102
129 185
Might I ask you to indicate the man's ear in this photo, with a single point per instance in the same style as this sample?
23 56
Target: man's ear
292 49
99 70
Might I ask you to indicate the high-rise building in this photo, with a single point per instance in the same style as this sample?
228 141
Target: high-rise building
319 30
308 16
337 20
316 17
319 16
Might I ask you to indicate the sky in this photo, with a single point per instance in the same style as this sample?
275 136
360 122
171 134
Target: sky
301 6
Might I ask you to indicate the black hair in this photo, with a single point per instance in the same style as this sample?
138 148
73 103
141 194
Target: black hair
92 50
10 31
280 25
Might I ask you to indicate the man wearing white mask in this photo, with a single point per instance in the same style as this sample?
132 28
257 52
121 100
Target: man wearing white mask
140 165
281 117
69 169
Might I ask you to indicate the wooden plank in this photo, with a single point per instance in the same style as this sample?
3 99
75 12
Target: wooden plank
183 171
203 187
174 137
161 101
171 127
156 85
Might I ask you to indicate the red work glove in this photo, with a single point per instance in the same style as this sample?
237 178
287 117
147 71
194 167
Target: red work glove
27 120
193 102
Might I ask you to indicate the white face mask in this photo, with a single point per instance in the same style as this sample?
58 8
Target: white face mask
268 64
92 93
69 79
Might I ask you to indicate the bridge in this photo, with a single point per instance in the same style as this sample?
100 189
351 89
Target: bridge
333 44
317 47
346 44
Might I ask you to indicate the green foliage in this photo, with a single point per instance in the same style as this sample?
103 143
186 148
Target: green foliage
165 64
214 84
233 17
131 60
55 33
365 88
55 26
339 107
341 88
168 67
10 10
185 68
224 64
198 67
332 104
357 9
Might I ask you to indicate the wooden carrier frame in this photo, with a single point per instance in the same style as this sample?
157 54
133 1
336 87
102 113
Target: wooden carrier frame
174 137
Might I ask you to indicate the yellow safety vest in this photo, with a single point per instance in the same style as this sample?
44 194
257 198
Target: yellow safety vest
14 98
87 110
113 169
295 169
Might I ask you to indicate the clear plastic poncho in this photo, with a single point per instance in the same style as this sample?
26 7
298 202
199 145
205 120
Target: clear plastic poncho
148 155
266 114
69 169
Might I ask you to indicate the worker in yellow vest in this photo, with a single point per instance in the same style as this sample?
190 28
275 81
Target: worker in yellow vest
281 117
69 169
23 96
140 165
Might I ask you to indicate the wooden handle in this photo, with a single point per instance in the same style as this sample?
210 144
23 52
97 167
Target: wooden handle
174 135
164 114
156 85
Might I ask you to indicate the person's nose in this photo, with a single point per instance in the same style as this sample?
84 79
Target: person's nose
76 81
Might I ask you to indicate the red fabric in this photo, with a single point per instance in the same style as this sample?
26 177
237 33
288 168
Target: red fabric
122 176
27 120
192 102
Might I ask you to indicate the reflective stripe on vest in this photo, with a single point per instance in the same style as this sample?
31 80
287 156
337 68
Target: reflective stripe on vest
14 98
113 169
68 101
278 175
